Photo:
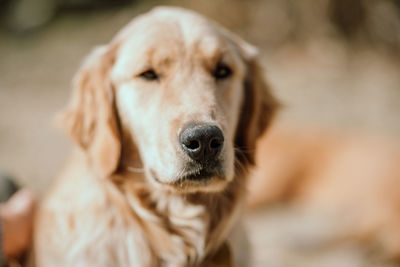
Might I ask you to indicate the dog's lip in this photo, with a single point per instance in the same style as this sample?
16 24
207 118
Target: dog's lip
202 174
198 176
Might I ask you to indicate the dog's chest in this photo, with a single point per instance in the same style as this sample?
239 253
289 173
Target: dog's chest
177 231
184 231
110 228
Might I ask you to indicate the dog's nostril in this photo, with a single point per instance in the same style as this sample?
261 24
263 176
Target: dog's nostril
215 143
193 145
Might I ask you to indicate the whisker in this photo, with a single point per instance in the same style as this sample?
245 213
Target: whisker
239 165
243 150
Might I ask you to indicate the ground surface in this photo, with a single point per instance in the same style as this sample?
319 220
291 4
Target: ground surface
322 82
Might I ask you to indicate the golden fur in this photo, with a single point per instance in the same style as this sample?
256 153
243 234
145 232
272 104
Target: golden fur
351 176
123 199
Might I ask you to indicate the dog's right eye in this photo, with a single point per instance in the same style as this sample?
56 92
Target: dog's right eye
149 75
222 72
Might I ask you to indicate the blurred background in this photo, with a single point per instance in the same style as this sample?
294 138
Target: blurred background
334 64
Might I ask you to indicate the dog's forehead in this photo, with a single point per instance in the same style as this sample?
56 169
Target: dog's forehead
167 35
173 28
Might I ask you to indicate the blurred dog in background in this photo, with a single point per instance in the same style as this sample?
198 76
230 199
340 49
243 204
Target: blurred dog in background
354 178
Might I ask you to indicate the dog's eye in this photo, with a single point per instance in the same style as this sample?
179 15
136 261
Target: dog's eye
222 72
149 75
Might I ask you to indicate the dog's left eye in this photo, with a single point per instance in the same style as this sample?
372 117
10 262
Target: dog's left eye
149 75
222 72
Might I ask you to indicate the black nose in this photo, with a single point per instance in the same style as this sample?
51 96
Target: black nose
202 142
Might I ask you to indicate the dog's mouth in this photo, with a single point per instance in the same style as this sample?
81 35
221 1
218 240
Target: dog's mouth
199 179
200 175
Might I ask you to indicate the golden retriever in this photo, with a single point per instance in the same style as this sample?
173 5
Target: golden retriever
353 177
165 117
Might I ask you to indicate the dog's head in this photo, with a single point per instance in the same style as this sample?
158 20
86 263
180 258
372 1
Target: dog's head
176 93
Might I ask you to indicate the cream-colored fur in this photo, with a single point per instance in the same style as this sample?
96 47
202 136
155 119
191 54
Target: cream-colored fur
124 199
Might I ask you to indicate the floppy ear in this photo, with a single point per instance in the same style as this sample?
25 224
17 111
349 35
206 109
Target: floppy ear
258 106
91 119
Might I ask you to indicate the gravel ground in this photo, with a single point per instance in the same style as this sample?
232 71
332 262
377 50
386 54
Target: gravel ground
323 83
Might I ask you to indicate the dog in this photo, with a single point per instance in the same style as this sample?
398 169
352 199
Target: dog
166 118
351 176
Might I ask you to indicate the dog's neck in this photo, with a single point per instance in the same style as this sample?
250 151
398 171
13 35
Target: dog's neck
183 229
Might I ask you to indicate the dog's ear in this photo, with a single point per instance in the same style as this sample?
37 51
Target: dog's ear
258 108
91 119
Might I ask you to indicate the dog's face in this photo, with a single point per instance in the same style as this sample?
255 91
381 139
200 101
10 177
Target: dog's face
179 88
179 91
